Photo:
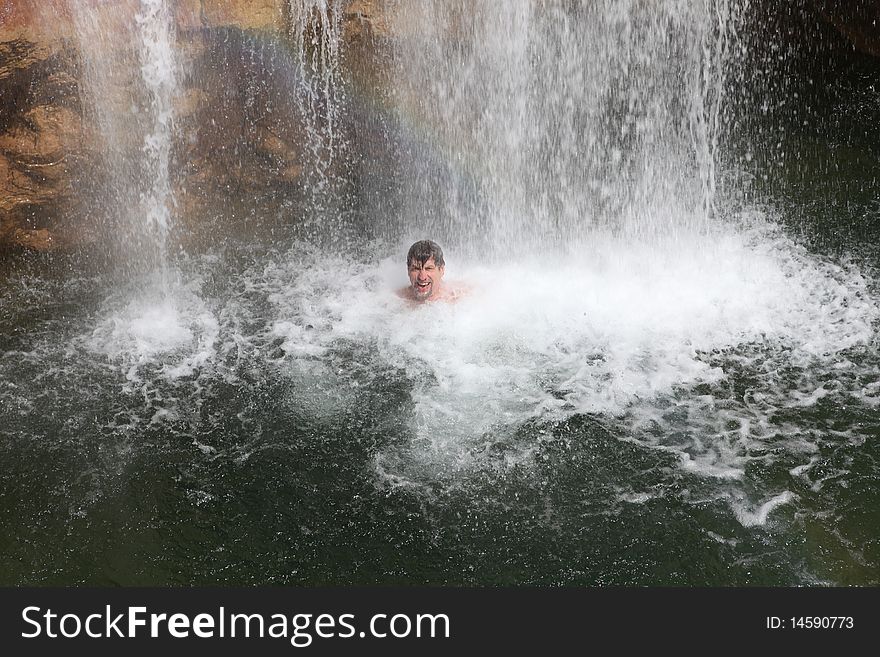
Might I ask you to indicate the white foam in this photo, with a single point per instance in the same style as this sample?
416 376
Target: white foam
170 329
616 329
801 470
758 517
647 336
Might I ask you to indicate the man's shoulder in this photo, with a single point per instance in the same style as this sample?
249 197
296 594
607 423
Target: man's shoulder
449 292
456 291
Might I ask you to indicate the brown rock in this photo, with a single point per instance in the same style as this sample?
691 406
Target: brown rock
23 187
284 154
238 129
291 173
246 14
188 14
35 240
189 103
17 55
365 19
41 22
43 136
27 202
271 144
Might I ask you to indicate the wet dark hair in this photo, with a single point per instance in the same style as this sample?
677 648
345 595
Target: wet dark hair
422 251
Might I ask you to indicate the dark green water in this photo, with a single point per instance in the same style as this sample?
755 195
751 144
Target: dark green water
276 418
254 462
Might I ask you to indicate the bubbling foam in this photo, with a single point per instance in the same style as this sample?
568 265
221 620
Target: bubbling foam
706 349
173 333
649 336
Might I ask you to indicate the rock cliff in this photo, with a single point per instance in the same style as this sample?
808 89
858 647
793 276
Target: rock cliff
234 128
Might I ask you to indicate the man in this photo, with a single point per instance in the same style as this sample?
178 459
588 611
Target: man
426 267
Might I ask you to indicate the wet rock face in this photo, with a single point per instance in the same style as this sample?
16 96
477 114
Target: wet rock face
236 126
41 127
40 135
232 129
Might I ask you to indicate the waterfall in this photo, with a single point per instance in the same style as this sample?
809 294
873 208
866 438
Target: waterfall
663 368
316 33
158 72
128 92
533 124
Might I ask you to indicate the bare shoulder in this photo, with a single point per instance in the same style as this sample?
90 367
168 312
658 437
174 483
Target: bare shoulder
449 294
457 291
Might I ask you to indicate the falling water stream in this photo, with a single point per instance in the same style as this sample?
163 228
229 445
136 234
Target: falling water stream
131 103
654 380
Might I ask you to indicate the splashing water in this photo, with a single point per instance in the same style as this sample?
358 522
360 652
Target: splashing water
639 368
536 123
316 32
650 341
129 93
159 73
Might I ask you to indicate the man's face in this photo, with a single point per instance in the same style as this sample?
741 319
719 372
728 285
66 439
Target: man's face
424 279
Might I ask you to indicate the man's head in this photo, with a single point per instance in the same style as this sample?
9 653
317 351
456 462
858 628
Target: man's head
426 267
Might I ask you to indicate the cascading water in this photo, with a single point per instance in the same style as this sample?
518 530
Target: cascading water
536 123
129 88
159 74
130 93
316 32
650 380
568 154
